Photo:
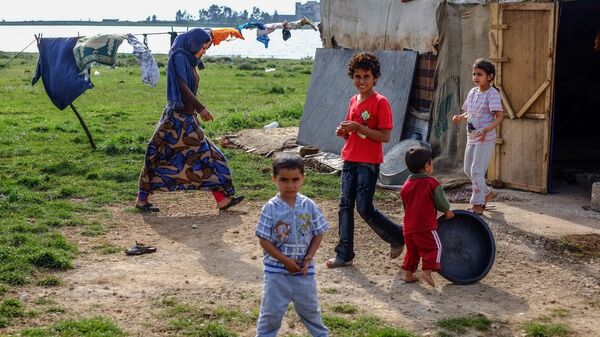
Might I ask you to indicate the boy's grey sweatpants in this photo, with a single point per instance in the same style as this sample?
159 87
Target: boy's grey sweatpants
281 289
477 159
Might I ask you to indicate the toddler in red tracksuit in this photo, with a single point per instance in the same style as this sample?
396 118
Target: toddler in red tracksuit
422 196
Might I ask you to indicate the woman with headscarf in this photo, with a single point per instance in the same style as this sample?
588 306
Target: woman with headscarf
179 156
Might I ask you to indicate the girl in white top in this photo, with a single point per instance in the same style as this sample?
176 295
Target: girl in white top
483 112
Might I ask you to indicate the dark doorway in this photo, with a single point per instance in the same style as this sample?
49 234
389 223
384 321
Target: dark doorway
575 156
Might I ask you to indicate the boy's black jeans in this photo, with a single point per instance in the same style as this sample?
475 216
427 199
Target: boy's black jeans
358 187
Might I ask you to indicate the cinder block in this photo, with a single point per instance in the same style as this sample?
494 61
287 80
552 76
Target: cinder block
595 202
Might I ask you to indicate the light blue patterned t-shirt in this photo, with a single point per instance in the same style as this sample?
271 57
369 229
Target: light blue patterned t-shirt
290 229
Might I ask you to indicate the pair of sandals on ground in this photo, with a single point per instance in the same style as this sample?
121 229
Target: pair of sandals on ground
478 209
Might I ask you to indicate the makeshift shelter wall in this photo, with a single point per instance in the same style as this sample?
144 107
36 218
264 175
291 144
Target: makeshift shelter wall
493 1
386 24
458 33
380 25
463 38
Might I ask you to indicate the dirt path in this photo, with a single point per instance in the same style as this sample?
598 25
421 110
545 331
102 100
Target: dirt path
210 258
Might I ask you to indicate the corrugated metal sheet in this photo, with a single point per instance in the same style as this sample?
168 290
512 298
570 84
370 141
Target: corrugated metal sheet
330 92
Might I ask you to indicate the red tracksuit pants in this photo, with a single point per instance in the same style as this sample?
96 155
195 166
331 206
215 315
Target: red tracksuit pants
422 245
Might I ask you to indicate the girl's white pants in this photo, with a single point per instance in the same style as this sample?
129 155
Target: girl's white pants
477 158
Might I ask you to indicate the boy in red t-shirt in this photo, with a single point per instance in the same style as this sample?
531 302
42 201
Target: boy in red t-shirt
368 124
422 196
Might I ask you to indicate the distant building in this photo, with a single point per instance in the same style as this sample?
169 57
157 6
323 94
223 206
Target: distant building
311 9
284 17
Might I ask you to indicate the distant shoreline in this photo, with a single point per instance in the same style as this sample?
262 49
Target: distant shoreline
121 23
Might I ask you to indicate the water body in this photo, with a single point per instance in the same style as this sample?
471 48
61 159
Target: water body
302 44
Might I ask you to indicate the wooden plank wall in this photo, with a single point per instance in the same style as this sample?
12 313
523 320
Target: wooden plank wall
528 44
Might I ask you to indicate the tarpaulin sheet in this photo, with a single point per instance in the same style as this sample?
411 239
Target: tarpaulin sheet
463 39
377 24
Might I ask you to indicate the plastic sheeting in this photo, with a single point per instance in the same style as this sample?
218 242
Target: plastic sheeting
493 1
380 25
386 24
464 38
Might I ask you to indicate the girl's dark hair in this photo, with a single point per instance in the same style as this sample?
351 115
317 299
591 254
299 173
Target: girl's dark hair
289 161
486 65
416 157
364 61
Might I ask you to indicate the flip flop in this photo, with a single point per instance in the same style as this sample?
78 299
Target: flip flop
139 249
490 196
234 201
474 211
147 208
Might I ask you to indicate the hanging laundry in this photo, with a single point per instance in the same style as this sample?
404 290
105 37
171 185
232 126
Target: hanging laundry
56 66
270 28
298 24
251 25
222 34
264 39
100 48
285 27
150 73
286 34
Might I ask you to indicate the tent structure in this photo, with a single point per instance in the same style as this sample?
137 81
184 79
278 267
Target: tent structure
547 57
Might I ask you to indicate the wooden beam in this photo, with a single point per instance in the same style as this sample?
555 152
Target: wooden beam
498 26
530 116
495 36
552 31
533 98
493 43
526 187
500 59
528 6
504 99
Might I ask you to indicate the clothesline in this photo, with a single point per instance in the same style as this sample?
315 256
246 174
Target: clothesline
30 43
19 53
262 32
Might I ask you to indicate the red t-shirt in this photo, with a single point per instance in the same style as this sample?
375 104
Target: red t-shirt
374 112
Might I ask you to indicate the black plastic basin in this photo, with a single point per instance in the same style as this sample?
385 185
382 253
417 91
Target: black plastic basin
468 247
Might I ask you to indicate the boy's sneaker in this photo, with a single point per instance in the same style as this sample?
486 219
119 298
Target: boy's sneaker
336 262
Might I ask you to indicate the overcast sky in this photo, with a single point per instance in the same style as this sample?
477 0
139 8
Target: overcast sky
128 9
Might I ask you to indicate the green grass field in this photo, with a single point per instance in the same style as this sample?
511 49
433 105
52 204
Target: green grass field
50 177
